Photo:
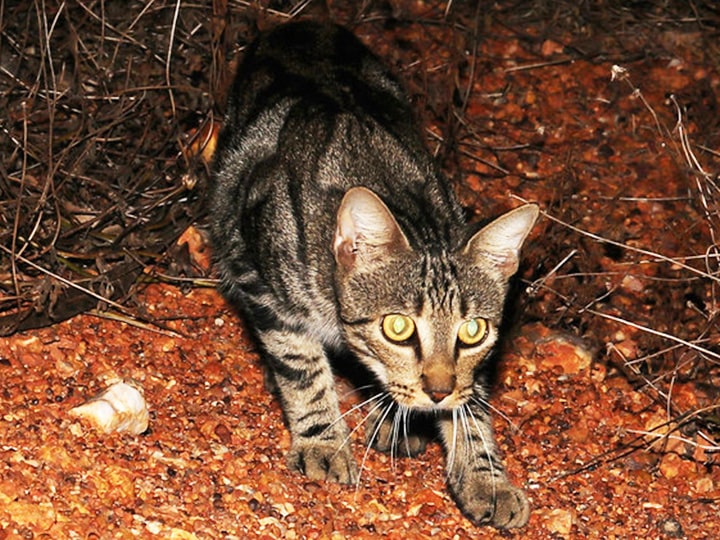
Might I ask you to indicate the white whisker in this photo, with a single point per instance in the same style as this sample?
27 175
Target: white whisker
374 435
356 390
376 397
406 420
469 445
394 435
487 405
488 449
357 407
453 443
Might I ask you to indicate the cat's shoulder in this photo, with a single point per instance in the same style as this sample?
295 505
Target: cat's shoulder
308 46
323 68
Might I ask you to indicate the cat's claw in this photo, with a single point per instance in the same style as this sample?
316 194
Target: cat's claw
324 462
505 506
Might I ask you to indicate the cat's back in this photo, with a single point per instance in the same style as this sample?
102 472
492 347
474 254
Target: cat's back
322 67
310 99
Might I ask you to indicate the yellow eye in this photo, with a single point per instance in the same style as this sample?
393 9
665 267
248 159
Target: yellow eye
473 331
397 327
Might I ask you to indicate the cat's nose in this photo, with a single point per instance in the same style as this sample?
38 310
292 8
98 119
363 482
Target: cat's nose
437 397
438 388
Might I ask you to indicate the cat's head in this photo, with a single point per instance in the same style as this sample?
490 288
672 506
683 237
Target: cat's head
422 320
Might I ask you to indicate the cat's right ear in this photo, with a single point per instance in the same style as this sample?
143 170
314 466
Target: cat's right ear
366 230
499 242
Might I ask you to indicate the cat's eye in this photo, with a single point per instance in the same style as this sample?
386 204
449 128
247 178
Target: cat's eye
398 327
473 331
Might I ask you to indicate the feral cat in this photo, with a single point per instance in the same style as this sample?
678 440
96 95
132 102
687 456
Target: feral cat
334 234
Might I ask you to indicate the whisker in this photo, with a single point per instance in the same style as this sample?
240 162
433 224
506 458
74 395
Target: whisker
482 402
467 438
357 407
374 435
487 448
405 421
394 436
356 390
401 419
453 442
376 397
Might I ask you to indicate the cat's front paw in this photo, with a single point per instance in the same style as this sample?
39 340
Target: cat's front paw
323 462
502 505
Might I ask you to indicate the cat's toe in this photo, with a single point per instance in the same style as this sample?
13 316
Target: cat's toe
324 462
503 505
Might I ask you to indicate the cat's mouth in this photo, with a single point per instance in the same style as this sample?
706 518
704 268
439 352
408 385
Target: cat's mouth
420 399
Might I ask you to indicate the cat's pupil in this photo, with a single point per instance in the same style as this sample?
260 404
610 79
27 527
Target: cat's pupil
473 328
399 325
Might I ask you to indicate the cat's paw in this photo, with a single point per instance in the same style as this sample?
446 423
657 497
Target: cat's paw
323 462
505 506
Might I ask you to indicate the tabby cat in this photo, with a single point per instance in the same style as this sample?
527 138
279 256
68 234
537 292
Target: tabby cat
336 237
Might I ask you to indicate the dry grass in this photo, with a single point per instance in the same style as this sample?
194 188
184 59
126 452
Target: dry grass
99 99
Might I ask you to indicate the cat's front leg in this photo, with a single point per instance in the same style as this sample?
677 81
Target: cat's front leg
476 476
306 387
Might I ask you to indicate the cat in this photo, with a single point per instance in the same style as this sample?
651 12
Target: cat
335 235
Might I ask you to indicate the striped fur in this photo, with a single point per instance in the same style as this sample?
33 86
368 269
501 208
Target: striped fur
327 216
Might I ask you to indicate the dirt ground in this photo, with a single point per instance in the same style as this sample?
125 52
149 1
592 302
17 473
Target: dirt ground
608 386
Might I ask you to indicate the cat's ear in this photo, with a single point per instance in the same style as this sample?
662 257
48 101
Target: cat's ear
499 242
366 229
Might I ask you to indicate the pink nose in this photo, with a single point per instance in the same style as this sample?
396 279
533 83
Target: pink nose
437 397
438 388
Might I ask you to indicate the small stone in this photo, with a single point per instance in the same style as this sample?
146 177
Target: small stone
670 466
671 528
560 521
122 407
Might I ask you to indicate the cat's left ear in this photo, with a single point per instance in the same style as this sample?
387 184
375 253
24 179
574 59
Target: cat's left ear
366 230
499 242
